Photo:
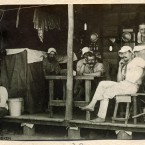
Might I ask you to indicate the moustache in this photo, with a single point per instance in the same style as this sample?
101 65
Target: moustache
91 63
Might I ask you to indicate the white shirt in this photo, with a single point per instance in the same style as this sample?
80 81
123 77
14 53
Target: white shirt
135 70
3 97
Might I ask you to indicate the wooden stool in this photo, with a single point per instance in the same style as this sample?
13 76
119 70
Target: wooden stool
122 99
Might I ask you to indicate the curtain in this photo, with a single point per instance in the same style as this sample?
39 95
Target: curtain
24 80
13 74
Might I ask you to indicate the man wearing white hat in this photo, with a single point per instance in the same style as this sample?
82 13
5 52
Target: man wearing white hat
126 54
108 89
80 63
50 64
78 87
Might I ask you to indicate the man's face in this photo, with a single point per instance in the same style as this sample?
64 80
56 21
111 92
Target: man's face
142 29
86 55
51 56
127 56
91 60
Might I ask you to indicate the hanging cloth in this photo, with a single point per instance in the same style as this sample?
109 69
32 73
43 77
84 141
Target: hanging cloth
43 21
17 19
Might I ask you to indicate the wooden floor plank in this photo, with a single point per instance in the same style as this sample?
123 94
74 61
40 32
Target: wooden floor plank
43 119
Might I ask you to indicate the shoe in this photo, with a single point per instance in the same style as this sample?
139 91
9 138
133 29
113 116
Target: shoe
86 108
98 120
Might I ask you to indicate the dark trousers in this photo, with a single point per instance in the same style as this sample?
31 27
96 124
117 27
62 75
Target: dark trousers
3 112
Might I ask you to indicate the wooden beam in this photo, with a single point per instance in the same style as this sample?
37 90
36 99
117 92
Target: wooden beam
75 77
69 92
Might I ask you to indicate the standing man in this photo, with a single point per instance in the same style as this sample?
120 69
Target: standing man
108 89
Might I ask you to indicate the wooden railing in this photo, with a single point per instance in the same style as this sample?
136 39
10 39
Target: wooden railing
62 102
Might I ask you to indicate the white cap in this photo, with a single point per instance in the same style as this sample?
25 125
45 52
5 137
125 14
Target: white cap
85 49
125 49
51 50
139 48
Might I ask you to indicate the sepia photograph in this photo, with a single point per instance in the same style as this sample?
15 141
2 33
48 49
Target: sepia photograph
72 72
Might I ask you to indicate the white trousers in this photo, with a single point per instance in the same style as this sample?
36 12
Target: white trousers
107 90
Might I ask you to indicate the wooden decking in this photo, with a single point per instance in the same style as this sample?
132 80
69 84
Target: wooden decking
43 119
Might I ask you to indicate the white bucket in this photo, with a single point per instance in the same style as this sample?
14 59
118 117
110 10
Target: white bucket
15 106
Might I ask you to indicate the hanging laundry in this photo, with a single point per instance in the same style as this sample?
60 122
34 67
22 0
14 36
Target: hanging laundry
43 21
17 20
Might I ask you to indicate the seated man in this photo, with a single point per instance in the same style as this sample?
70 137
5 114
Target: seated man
85 52
90 67
3 101
108 89
51 67
50 64
126 54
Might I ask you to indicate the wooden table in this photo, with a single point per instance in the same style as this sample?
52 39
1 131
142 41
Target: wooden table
53 102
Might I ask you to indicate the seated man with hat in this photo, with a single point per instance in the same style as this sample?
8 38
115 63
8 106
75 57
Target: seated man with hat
80 63
108 89
50 64
51 67
91 66
126 54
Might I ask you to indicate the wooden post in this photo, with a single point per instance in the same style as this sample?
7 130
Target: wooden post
122 135
74 133
51 97
28 131
87 96
134 109
115 112
64 89
69 92
127 113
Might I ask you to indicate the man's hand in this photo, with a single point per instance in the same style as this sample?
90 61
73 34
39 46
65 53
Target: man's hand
122 63
85 74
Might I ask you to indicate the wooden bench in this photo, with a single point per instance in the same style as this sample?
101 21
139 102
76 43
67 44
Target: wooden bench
53 102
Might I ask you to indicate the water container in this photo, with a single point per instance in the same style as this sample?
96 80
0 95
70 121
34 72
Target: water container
15 106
